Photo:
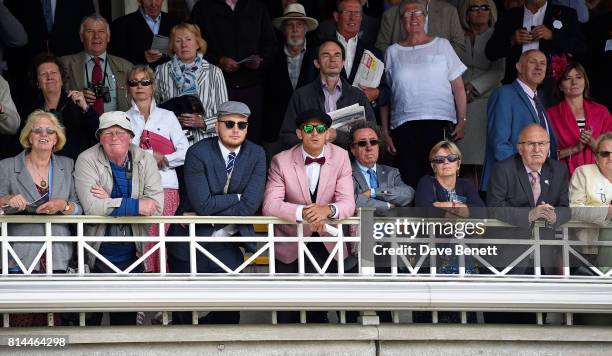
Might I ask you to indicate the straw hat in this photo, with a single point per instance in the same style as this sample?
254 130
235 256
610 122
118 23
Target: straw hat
293 12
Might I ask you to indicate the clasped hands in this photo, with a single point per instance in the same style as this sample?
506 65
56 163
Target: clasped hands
543 211
316 215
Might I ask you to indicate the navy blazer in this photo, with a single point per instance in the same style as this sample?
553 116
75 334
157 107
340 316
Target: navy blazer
131 36
205 179
509 110
566 39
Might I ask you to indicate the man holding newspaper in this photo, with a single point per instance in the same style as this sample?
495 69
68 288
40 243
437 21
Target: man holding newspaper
328 93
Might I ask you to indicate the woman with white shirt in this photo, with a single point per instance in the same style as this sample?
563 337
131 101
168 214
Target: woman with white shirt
428 102
159 132
590 195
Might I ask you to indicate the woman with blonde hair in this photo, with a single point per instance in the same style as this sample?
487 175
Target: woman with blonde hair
37 181
188 73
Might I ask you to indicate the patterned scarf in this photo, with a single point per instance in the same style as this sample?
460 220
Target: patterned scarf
185 75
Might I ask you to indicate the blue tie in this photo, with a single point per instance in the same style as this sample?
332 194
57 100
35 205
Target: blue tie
231 158
373 178
48 14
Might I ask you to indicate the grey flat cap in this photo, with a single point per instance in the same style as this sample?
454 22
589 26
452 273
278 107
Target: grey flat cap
114 118
234 107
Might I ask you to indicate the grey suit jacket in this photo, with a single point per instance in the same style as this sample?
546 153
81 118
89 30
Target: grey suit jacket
15 179
443 21
391 188
75 75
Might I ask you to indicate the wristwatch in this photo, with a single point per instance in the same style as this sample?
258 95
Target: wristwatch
333 211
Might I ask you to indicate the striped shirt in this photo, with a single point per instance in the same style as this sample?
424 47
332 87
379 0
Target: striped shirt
213 93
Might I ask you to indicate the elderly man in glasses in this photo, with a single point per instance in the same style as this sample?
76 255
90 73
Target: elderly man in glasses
310 184
224 176
376 185
117 178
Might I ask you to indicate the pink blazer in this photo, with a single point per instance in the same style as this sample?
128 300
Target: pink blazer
287 189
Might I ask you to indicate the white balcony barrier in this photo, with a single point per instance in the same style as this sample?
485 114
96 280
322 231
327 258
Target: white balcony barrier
404 287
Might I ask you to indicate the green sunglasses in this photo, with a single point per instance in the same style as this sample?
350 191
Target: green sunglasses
310 128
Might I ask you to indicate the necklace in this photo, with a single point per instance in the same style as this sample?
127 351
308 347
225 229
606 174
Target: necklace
43 182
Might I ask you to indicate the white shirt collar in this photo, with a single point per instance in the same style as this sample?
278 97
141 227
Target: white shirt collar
530 93
225 151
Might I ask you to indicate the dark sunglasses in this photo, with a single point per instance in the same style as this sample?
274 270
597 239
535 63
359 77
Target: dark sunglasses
604 154
39 130
230 124
440 159
144 82
364 143
310 128
482 8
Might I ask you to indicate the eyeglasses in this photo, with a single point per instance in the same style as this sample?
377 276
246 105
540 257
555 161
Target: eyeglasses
310 128
604 154
364 143
111 134
533 145
349 13
40 130
230 124
417 13
481 8
440 159
144 82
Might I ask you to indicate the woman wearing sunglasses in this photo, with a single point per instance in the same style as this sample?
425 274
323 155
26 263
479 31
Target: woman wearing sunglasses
576 120
157 131
79 119
482 76
590 195
446 195
37 181
188 73
445 189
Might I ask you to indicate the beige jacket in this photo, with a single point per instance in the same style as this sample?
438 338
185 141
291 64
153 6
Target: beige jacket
590 194
75 75
92 167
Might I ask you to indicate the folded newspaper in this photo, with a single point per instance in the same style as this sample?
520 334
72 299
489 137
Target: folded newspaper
160 43
342 119
370 71
30 207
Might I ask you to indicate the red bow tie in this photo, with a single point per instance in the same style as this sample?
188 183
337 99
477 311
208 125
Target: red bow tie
310 160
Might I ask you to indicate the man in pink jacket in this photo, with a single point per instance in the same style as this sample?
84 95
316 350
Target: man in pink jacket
310 183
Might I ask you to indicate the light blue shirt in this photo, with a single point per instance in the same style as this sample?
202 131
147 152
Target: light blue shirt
364 171
152 22
109 79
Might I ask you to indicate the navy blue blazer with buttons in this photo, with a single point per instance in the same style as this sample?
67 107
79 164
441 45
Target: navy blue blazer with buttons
205 178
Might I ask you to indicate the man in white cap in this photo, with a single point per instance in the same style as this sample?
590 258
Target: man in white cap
224 176
293 65
117 178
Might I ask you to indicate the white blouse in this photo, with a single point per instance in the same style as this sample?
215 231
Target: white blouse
163 123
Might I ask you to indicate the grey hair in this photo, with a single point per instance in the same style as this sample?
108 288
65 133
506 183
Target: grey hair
93 17
601 139
418 2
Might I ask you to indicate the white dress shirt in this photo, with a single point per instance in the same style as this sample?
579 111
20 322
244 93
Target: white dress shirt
531 20
350 47
313 171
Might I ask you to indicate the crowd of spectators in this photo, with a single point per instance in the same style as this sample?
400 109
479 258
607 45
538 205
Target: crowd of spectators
232 119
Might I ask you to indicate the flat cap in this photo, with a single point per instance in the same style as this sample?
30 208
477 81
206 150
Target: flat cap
234 107
311 114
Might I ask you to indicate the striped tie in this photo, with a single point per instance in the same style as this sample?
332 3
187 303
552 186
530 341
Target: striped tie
231 158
